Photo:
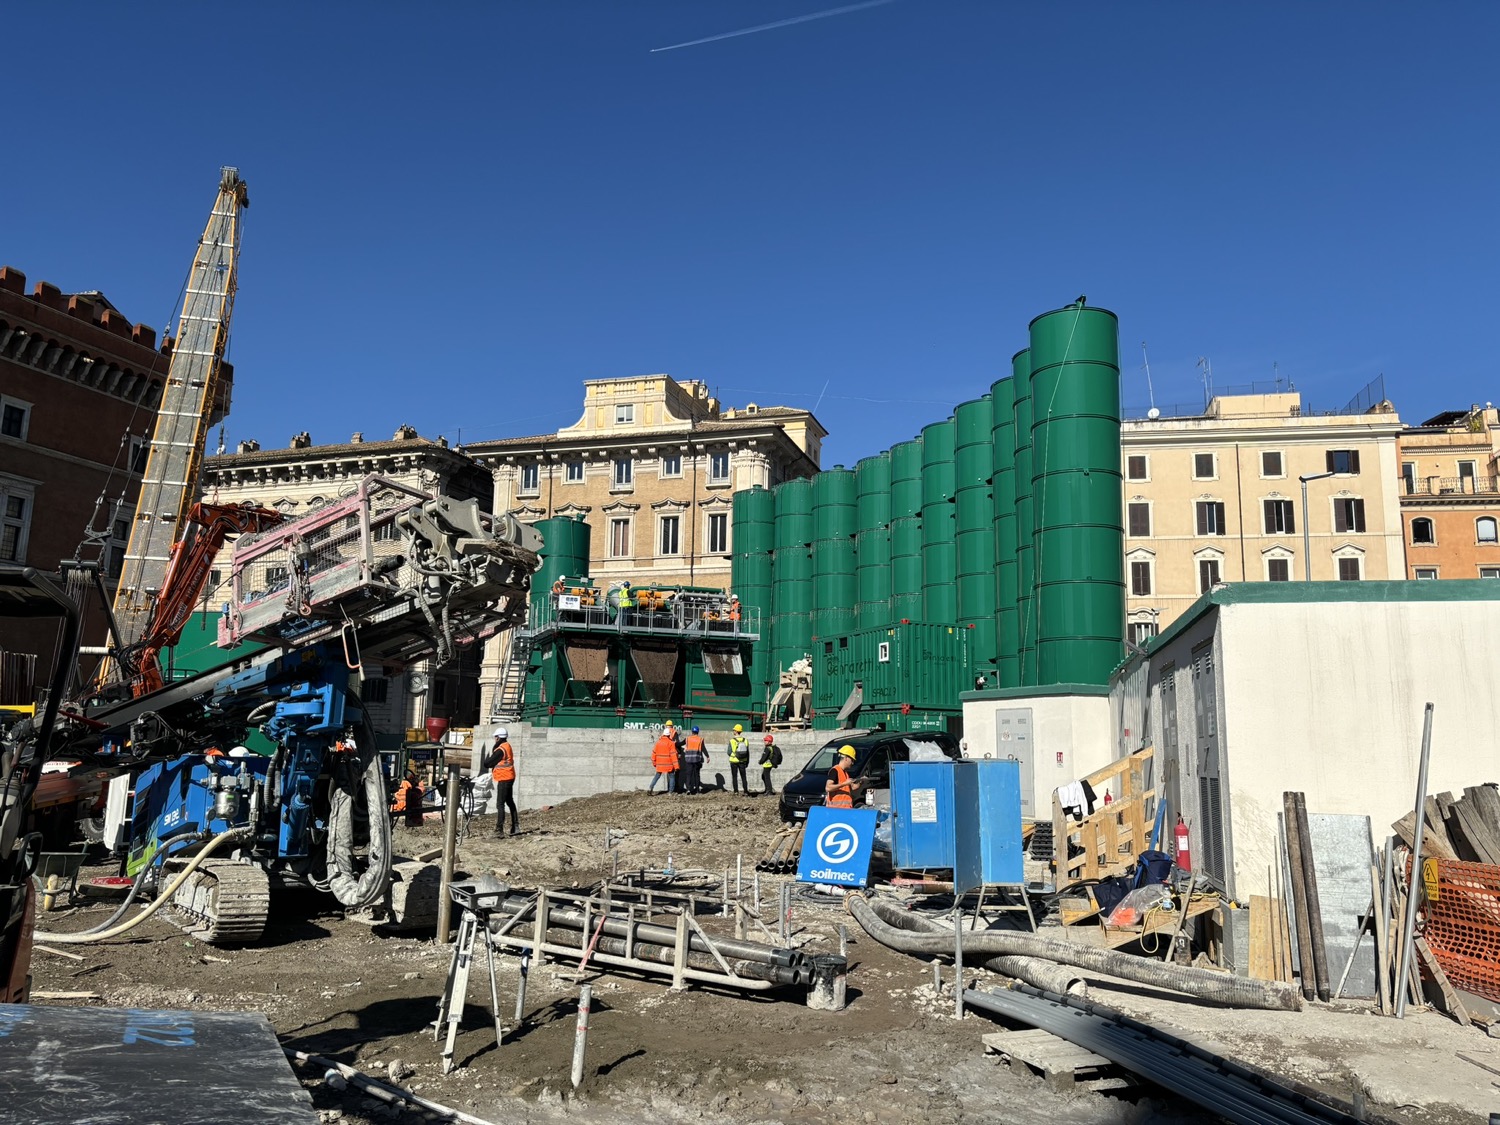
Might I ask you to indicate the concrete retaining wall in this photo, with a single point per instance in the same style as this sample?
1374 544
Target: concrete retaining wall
555 764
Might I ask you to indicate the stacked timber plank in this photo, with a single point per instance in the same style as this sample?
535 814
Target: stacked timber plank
1466 829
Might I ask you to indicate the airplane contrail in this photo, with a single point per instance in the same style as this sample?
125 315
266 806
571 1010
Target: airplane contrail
778 23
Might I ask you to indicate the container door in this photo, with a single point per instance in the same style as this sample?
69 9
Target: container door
1013 742
1210 827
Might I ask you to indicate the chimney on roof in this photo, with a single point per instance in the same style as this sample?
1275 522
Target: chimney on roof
301 441
248 446
442 441
405 433
357 438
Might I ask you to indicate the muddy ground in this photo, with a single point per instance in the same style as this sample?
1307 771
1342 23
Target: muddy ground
336 987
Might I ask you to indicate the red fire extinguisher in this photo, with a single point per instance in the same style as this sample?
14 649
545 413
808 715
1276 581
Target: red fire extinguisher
1184 852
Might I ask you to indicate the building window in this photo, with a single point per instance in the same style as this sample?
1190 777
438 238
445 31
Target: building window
624 414
1280 517
619 538
140 450
383 532
440 691
119 539
1211 517
1489 572
1421 531
15 521
1136 467
1140 579
1348 514
1484 528
671 464
531 476
573 474
624 472
1208 575
1349 570
1140 519
376 690
1409 476
718 533
718 468
1278 570
1466 476
1424 573
670 543
1142 631
15 417
1270 464
1203 466
1345 461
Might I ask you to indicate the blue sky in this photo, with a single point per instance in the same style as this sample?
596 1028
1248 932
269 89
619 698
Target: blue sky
459 211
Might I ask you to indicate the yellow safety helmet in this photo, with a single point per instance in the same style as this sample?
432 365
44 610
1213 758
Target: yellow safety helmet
668 723
738 729
848 751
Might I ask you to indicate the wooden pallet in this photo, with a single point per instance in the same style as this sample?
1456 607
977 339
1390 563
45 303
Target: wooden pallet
1063 1065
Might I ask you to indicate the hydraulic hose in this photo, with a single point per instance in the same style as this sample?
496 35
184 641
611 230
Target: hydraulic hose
890 925
140 881
156 904
1046 975
353 890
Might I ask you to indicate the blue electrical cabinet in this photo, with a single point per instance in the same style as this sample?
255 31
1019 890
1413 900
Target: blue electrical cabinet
968 811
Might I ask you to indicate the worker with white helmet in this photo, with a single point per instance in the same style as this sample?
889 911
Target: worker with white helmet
501 762
664 759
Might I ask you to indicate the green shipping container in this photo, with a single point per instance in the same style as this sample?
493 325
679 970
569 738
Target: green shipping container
916 665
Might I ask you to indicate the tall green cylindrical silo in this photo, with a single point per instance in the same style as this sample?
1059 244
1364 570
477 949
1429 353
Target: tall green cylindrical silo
564 553
1025 528
872 541
906 531
1007 616
751 572
792 591
974 530
939 551
835 520
1076 489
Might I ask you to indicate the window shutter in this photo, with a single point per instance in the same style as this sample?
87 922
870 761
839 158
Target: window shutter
1202 519
1270 517
1329 460
1354 463
1222 526
1359 513
1340 514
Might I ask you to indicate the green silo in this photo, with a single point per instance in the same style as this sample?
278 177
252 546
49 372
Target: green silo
906 479
1025 528
1007 615
1076 495
834 504
564 553
906 568
974 529
792 591
872 489
794 521
754 520
834 587
939 550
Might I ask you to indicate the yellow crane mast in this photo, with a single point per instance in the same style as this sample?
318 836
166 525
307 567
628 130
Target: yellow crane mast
175 459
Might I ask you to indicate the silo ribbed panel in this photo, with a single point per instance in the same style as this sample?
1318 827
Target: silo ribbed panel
939 528
1076 495
1007 614
974 535
906 479
1025 525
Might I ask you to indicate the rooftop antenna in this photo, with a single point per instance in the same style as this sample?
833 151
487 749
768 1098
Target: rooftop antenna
1146 367
1208 379
1276 375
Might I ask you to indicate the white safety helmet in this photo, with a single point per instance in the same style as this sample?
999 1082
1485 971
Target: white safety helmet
501 732
240 752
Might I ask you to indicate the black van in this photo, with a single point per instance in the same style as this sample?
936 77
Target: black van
873 755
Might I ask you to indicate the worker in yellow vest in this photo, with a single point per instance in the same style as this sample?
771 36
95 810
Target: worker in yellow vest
739 759
502 762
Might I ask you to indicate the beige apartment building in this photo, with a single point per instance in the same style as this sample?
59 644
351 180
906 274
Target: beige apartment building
652 466
1218 498
1450 494
302 477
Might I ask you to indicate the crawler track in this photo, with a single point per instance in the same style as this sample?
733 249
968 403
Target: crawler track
224 902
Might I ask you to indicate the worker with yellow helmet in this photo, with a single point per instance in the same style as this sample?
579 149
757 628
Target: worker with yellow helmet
841 788
739 760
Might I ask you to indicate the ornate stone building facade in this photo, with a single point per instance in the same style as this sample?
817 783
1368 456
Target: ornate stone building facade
304 476
1450 494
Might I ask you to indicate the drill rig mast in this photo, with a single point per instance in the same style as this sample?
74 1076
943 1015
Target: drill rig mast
175 459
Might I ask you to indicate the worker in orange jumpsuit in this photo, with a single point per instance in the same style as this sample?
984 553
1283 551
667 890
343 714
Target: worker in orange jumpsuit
664 759
408 800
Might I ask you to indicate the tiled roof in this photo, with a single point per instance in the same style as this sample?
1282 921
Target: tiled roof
346 449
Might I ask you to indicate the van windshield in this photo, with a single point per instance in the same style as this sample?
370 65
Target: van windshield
823 760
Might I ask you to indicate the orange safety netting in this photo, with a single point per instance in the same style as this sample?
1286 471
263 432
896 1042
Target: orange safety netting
1463 924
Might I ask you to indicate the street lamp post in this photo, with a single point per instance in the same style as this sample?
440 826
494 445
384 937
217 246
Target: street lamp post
1306 536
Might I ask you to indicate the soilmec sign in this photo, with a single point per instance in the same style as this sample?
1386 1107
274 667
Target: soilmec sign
836 846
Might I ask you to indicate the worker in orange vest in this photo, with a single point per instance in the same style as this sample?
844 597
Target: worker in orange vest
502 763
694 754
408 800
664 759
841 788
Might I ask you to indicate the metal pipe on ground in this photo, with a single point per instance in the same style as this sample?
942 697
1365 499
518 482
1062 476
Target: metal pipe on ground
893 926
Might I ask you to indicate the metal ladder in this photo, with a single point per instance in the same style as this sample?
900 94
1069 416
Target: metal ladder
511 696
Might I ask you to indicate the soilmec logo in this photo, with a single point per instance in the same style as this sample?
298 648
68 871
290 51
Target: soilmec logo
836 844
